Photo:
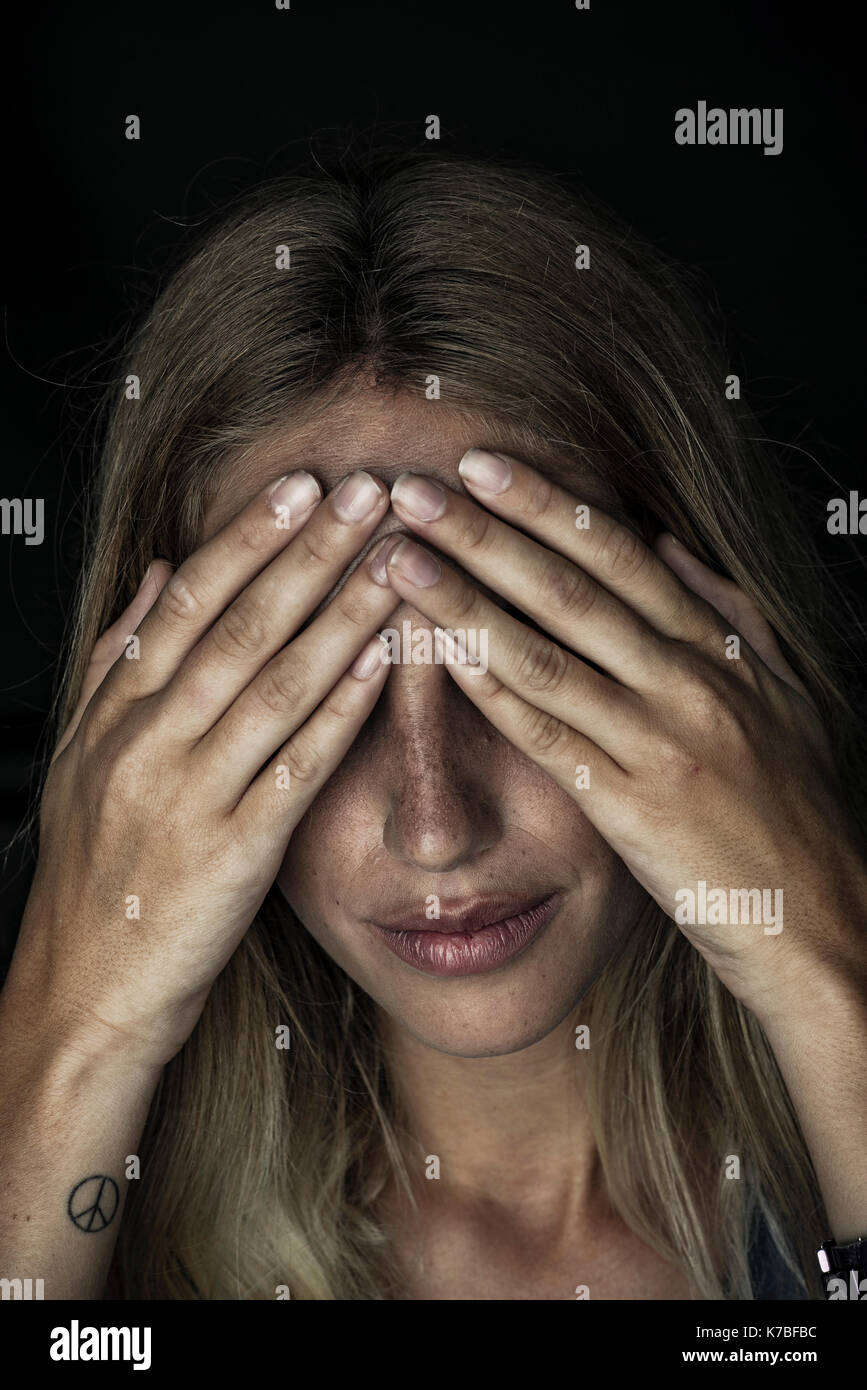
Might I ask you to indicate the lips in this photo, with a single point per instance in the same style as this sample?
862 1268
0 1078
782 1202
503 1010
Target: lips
470 937
467 916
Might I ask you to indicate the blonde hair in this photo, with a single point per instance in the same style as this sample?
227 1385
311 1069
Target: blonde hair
264 1168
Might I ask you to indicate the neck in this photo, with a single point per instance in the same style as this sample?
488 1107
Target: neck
510 1132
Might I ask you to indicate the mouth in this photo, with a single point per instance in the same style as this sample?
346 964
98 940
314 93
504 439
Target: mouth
470 938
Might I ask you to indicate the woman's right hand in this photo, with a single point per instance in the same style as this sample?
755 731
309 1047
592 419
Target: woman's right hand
165 815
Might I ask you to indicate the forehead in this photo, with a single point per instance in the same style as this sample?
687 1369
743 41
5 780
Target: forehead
389 433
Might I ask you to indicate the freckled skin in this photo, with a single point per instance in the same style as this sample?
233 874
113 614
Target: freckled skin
432 799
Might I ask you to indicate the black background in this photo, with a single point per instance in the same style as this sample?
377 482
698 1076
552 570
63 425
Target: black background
229 93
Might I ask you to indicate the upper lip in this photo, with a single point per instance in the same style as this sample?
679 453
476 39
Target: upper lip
465 914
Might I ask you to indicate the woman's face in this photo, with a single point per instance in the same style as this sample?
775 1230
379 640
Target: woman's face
434 811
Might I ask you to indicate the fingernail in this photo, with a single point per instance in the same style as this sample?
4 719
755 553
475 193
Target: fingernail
415 564
369 659
355 497
296 491
483 469
145 575
376 562
421 496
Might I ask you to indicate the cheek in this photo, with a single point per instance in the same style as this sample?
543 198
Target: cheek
327 852
337 854
342 835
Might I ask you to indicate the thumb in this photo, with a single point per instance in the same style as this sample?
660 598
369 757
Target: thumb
112 643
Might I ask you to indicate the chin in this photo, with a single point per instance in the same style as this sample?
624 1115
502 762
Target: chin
481 1015
467 987
487 1036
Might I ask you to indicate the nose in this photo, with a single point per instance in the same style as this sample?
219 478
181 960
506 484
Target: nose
442 796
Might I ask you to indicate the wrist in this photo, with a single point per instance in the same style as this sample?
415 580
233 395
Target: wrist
818 990
59 1048
817 966
827 1005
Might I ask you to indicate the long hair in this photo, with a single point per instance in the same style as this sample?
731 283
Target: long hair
265 1168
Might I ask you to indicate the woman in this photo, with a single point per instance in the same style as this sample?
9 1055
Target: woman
537 977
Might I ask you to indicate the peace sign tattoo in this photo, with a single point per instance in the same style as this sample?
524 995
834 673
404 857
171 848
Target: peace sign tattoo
93 1203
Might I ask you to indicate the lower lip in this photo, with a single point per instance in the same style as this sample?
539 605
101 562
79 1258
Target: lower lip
470 952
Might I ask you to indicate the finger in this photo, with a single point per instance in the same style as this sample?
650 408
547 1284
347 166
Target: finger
529 663
211 578
731 603
575 762
606 549
287 691
113 643
285 789
272 608
561 596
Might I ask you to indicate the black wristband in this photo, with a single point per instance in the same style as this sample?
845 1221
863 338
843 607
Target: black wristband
844 1270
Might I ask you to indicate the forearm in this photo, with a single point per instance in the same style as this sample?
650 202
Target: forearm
69 1112
820 1043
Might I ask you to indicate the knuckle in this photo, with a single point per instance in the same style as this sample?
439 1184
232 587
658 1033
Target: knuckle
622 554
118 772
748 675
250 535
475 530
352 610
100 717
705 707
672 759
182 599
316 546
567 589
341 705
493 689
466 606
303 759
545 733
240 632
542 666
281 686
730 723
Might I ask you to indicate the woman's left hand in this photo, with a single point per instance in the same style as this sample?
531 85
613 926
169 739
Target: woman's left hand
704 758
